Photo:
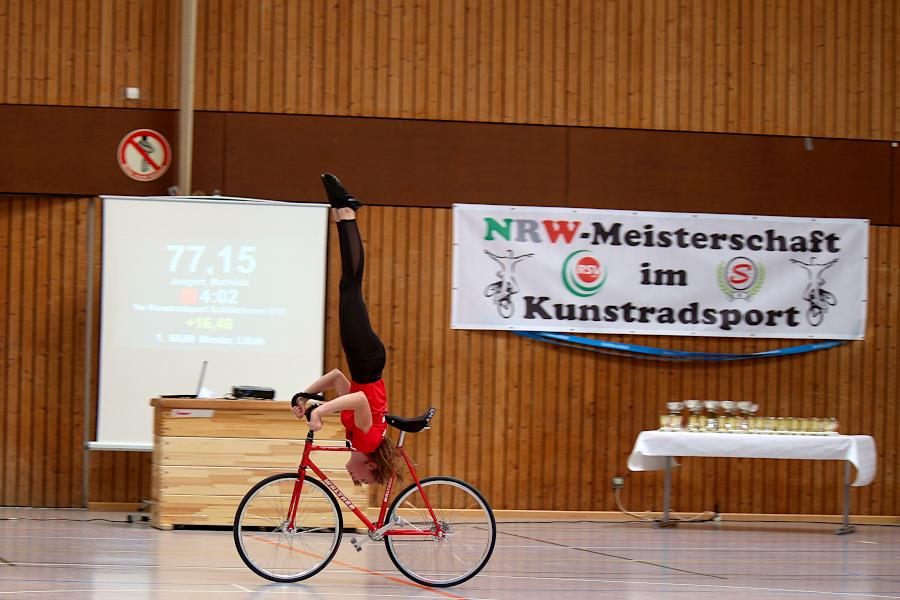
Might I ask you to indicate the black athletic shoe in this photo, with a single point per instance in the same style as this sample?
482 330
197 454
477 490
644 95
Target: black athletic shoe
338 197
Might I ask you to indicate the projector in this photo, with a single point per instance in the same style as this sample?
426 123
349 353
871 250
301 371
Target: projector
253 392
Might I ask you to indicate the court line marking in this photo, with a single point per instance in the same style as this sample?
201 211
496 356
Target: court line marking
613 556
370 572
292 591
701 585
242 588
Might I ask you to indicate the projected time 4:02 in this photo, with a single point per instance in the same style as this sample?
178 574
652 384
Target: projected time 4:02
187 258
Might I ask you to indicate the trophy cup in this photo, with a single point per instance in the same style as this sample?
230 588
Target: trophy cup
726 423
712 406
674 422
754 422
695 420
744 419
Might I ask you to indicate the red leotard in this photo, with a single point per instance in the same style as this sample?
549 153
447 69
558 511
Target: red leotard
377 396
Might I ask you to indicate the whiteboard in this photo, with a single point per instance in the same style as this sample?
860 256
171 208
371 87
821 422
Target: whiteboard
236 283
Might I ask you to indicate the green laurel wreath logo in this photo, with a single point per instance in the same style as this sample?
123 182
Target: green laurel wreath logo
728 291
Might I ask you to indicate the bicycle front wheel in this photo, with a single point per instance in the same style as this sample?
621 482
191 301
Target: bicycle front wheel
268 544
468 526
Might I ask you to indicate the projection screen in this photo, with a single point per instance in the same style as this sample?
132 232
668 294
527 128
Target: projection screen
237 283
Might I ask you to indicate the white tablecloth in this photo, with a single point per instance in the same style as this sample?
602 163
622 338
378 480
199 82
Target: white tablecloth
652 447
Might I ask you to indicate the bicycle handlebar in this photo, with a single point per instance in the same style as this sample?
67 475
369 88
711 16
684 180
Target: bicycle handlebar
316 400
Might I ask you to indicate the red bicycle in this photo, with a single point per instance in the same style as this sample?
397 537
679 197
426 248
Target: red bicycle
439 531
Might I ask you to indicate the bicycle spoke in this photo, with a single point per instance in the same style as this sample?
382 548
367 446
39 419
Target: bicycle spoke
277 551
461 551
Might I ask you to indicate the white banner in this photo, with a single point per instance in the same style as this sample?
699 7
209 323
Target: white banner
609 271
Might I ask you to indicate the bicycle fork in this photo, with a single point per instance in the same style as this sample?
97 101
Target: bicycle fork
298 486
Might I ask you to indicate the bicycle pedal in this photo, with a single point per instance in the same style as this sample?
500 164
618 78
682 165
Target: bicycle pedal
356 544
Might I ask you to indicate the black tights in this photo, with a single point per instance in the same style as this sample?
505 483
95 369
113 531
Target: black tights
364 351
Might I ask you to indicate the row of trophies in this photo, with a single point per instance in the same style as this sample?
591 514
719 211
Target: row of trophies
725 416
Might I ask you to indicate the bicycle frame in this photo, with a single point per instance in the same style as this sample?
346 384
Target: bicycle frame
379 528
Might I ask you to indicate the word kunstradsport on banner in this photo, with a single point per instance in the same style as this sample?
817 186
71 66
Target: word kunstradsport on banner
608 271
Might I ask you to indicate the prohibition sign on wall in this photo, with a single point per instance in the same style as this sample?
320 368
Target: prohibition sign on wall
144 154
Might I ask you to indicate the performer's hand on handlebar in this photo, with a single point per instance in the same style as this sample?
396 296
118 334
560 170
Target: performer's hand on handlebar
299 409
315 421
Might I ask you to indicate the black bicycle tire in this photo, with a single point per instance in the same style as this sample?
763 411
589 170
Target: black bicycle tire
487 557
246 498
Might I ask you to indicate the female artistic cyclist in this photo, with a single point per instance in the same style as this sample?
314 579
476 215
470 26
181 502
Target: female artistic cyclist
361 400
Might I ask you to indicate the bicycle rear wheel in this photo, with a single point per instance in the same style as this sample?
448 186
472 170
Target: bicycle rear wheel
272 549
466 520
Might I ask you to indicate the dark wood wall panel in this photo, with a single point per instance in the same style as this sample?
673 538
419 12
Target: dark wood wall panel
820 68
67 151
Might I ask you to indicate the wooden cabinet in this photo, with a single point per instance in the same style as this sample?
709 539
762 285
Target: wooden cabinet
208 452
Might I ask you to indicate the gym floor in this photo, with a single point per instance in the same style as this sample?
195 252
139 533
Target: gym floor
76 554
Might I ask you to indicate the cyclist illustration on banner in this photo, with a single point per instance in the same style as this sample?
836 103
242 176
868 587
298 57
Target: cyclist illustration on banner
818 297
502 291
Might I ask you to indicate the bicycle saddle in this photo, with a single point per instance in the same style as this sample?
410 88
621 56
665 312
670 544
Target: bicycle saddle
413 425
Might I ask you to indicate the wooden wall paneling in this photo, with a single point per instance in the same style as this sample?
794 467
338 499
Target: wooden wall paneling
521 425
7 419
609 399
72 480
61 318
294 54
890 245
488 386
440 287
91 84
40 332
270 75
46 18
570 441
62 56
836 360
383 55
591 486
106 54
204 85
224 49
132 50
5 28
51 380
880 303
253 60
892 437
234 25
74 89
874 66
28 357
426 271
13 52
806 68
27 50
279 44
43 450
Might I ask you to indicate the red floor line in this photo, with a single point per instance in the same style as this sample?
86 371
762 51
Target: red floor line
368 571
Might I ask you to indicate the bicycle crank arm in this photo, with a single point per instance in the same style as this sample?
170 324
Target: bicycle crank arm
374 536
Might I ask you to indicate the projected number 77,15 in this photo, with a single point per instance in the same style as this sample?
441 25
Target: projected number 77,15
243 259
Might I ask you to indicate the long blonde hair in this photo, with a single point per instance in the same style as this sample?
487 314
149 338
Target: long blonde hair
388 462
